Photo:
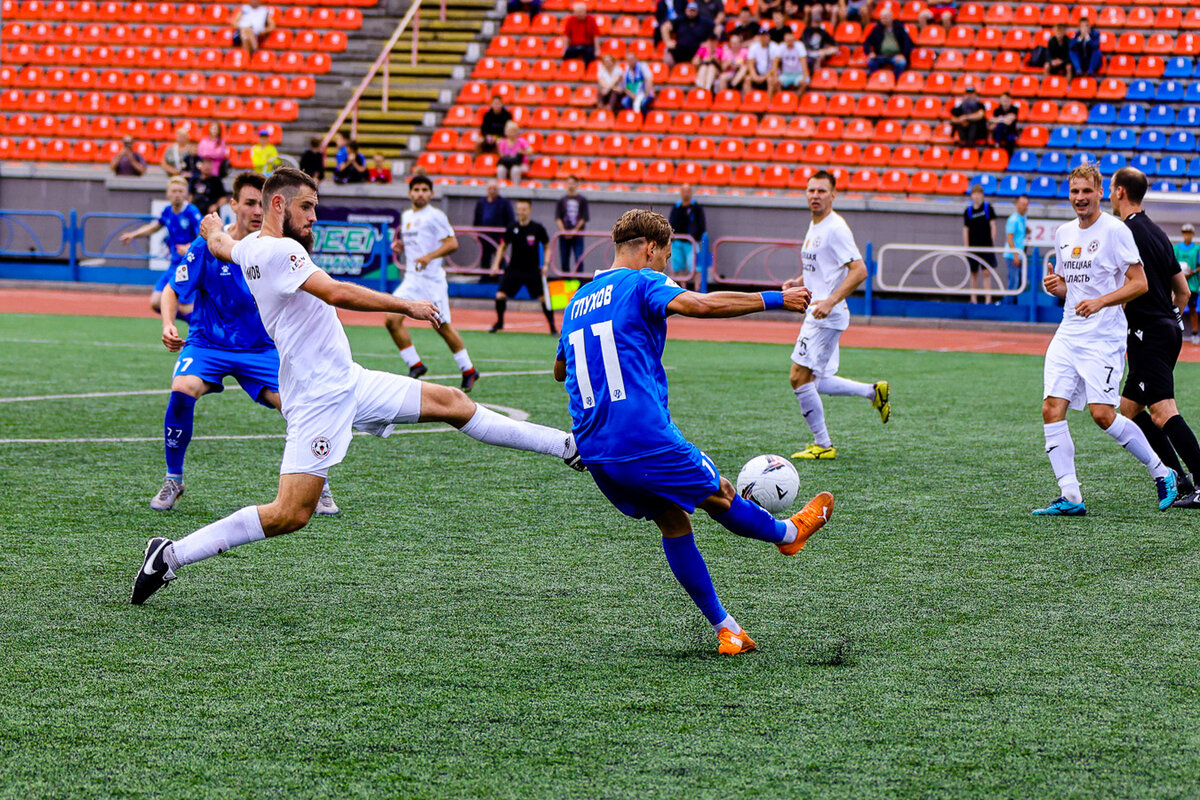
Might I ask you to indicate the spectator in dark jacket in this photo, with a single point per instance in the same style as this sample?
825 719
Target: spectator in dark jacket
817 41
312 160
687 218
747 26
687 34
1085 50
1004 123
491 129
969 118
492 211
1058 53
530 7
888 45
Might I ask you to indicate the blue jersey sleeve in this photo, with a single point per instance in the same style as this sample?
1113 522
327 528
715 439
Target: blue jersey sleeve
193 213
561 355
657 293
189 275
164 218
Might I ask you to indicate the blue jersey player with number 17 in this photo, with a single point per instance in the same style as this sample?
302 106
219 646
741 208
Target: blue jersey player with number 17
610 355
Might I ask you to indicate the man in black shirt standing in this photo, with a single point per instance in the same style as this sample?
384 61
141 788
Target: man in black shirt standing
526 241
1155 338
979 230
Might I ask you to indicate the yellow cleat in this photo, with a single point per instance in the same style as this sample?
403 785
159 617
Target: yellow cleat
732 644
816 451
881 403
808 520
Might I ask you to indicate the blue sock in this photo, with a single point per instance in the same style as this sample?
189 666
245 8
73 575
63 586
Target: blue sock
752 521
691 572
177 431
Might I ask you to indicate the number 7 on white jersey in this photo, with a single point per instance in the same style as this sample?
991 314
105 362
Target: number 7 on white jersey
612 364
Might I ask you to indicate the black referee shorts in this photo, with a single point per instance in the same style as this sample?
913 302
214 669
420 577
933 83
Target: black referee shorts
513 279
1152 350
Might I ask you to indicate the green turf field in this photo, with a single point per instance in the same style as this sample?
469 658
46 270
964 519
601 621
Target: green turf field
480 623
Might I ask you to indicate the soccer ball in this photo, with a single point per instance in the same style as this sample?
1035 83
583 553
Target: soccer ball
770 481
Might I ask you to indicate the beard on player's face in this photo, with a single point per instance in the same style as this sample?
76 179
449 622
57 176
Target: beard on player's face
294 229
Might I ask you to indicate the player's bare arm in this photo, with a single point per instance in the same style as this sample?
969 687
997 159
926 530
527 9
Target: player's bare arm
856 274
144 230
1135 286
449 245
1055 284
733 304
560 371
170 334
1180 293
498 259
353 297
220 243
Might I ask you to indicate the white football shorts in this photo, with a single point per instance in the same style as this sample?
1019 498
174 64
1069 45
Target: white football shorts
417 287
1084 372
318 435
817 349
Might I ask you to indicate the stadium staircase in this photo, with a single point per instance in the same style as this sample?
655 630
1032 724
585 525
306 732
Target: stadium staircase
877 133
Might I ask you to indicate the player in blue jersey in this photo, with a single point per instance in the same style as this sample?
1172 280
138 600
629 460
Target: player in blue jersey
182 221
610 355
225 337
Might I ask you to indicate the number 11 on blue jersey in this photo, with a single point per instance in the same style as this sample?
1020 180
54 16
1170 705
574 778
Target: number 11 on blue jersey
612 363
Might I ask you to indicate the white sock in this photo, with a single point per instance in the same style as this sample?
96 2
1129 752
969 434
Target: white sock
843 387
240 527
814 412
1130 436
463 360
491 428
728 622
409 354
792 532
1061 450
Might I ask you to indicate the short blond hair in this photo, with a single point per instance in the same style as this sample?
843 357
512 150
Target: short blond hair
1087 172
177 179
640 223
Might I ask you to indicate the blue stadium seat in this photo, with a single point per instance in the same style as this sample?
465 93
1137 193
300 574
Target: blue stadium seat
988 182
1188 117
1131 114
1111 162
1192 95
1151 139
1012 186
1191 186
1194 168
1145 163
1172 167
1080 159
1063 136
1162 186
1093 138
1196 71
1105 186
1160 116
1178 67
1102 114
1064 189
1053 164
1169 92
1181 142
1122 139
1023 161
1140 90
1044 187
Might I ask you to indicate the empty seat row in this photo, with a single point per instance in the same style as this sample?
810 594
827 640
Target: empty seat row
189 13
1153 140
160 129
140 80
1161 115
148 104
167 35
179 58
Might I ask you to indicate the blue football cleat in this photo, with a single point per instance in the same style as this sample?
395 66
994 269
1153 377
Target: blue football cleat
1062 507
1168 489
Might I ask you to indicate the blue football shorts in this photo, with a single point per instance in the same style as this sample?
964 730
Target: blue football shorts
255 371
647 487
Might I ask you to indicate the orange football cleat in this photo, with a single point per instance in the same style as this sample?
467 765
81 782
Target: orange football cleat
731 644
808 521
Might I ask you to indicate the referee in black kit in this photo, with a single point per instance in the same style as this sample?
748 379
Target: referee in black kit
527 244
1155 338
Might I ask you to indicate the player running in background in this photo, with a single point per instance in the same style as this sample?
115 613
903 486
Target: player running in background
424 238
832 268
182 221
1155 338
324 393
610 355
225 337
527 244
1098 270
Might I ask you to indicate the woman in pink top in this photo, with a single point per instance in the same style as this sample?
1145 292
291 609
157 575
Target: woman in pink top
512 148
735 66
708 62
213 148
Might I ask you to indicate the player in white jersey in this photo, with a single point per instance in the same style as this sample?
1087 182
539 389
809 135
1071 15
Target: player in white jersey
1098 270
832 268
424 238
324 394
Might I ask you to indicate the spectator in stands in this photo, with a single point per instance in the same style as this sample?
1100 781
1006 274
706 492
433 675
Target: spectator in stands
817 41
583 35
571 215
637 85
779 28
687 218
213 149
686 35
1015 228
735 67
379 172
128 161
968 118
492 211
713 11
312 160
1058 53
1086 58
340 155
491 129
250 23
530 7
1004 123
761 57
207 189
264 156
609 89
1187 253
979 230
175 157
768 7
888 45
665 14
709 62
513 149
942 11
853 11
747 26
791 63
354 167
